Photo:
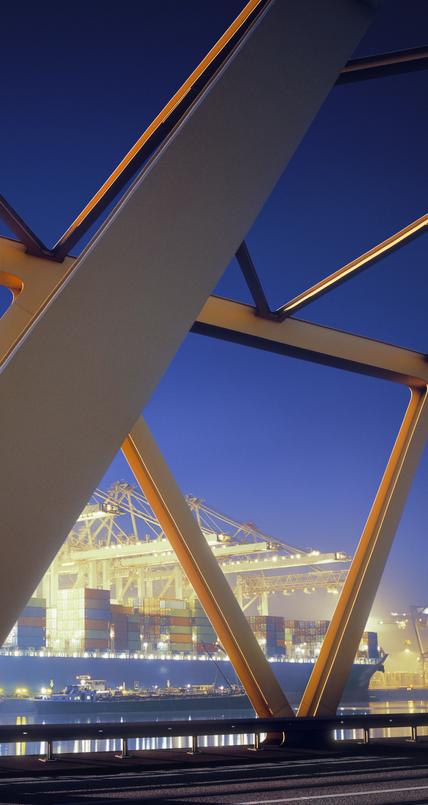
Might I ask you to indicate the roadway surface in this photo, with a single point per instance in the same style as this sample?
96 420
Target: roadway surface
374 775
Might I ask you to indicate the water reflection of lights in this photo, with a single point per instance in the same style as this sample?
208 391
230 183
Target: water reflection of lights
144 744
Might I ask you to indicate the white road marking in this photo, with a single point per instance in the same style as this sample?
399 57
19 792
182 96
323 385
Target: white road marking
285 764
172 785
336 796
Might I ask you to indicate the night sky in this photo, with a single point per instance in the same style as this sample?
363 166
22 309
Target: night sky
296 448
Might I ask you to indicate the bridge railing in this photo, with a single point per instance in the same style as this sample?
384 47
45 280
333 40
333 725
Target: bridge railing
292 729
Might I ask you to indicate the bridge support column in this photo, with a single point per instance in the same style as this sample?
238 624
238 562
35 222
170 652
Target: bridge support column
204 573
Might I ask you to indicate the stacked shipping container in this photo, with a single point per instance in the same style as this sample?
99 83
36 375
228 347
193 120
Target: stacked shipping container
269 631
303 638
153 626
96 619
31 625
86 621
83 620
119 626
177 622
204 636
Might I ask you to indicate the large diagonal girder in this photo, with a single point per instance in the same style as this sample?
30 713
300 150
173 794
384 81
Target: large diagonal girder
88 358
204 574
32 284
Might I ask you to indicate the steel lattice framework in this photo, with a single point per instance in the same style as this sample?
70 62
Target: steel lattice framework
118 543
168 266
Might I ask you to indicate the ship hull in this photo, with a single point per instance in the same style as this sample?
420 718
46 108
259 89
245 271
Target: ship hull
149 706
35 672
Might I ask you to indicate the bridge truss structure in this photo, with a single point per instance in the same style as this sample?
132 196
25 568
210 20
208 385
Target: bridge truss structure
70 394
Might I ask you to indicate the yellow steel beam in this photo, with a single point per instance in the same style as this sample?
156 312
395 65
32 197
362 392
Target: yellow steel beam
33 285
156 124
64 407
328 678
213 175
355 266
233 321
33 282
203 572
33 289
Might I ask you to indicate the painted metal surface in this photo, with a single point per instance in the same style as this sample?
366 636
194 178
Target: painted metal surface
364 261
204 573
71 390
355 70
233 321
328 679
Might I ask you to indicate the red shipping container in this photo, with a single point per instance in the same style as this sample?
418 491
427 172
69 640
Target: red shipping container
96 603
101 625
93 593
95 643
28 621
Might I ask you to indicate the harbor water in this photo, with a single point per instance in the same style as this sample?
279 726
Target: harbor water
409 705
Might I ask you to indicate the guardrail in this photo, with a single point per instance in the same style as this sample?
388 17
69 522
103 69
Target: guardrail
291 729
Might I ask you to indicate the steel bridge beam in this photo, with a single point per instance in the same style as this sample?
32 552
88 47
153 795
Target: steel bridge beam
350 270
69 391
355 70
235 322
203 572
328 679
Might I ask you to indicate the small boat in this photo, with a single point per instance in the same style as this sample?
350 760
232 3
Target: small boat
93 696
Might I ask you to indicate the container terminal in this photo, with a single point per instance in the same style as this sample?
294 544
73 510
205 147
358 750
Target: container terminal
115 605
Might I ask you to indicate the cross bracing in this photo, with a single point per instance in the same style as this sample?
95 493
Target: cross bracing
171 257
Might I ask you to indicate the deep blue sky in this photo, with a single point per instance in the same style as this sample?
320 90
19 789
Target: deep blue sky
296 448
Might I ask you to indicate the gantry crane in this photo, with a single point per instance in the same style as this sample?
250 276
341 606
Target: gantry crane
250 589
117 543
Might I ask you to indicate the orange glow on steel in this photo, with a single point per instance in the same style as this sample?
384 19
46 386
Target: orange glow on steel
355 265
13 283
372 550
199 581
166 111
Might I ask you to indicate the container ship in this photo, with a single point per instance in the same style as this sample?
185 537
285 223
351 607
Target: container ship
101 610
159 647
